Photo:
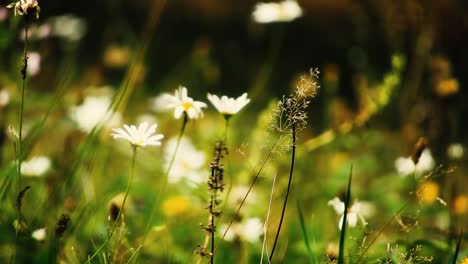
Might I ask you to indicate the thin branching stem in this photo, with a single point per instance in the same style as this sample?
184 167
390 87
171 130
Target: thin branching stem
291 171
270 152
114 226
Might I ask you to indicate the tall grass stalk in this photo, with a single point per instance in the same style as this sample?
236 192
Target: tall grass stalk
345 219
291 171
254 180
305 233
457 248
114 226
265 226
19 152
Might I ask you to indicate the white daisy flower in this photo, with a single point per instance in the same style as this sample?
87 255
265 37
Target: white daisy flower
455 151
189 163
39 234
36 166
92 111
23 6
276 12
356 212
228 106
249 230
181 103
406 166
141 136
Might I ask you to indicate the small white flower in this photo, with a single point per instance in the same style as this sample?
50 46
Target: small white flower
68 27
356 212
4 97
40 234
249 231
93 111
34 63
228 106
189 163
36 166
181 103
23 6
406 166
455 151
141 136
276 12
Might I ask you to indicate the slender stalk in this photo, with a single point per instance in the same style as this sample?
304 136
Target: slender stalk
257 174
293 157
166 174
114 226
265 226
20 132
345 219
226 126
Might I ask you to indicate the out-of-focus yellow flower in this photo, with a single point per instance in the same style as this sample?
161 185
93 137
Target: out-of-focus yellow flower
176 206
464 261
447 87
428 192
116 56
460 204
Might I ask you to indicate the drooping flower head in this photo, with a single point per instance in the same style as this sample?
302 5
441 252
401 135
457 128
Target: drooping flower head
139 137
356 212
22 7
228 106
285 11
181 103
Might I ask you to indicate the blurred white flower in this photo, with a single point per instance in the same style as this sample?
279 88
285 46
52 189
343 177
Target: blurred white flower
406 166
39 234
180 102
3 14
36 166
68 27
228 106
455 151
4 97
92 111
22 7
356 212
276 12
34 63
250 230
141 136
189 163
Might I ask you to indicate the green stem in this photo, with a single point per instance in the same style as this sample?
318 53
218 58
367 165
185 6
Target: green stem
20 132
166 175
283 211
345 219
236 214
114 226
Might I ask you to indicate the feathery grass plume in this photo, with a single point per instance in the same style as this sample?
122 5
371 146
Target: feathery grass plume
215 185
290 116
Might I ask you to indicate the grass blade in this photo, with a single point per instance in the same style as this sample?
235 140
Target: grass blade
345 219
304 233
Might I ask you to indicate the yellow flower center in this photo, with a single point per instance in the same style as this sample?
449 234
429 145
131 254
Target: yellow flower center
187 105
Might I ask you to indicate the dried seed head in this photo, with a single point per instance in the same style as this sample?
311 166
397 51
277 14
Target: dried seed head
419 147
62 224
